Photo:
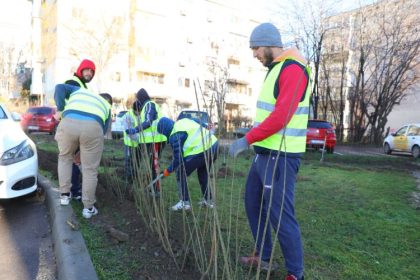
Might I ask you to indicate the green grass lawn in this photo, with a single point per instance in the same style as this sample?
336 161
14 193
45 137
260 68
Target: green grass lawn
354 214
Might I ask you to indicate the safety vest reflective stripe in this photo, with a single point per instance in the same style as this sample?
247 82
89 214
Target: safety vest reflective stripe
84 101
89 101
192 139
288 131
127 139
292 138
304 110
199 138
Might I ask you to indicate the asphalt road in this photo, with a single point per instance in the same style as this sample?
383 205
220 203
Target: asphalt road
26 251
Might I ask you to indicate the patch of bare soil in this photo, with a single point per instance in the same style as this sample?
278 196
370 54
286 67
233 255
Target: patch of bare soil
144 247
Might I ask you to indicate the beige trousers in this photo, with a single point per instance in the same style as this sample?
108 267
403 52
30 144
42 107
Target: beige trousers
88 135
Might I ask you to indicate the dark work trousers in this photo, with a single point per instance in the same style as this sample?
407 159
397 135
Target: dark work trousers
152 151
132 159
200 162
76 189
272 176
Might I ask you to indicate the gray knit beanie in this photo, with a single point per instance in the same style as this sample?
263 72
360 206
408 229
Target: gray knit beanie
265 35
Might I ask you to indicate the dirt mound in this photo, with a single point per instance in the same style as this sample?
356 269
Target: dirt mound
142 245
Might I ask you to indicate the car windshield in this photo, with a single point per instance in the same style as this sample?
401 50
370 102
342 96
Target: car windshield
201 116
120 114
3 115
401 131
315 124
40 111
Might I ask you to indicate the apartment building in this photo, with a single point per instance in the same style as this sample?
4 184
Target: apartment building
177 50
345 33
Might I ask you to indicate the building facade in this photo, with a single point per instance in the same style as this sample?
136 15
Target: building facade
179 51
362 38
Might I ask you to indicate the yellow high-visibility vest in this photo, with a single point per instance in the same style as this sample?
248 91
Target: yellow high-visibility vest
292 138
199 138
85 101
127 139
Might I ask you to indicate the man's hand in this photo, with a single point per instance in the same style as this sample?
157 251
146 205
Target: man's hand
238 146
76 158
57 115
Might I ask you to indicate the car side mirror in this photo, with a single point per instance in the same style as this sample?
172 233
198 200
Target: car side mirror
16 117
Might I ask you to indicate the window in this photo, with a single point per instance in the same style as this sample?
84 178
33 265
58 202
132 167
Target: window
319 124
117 77
156 78
401 131
187 83
413 131
3 115
233 61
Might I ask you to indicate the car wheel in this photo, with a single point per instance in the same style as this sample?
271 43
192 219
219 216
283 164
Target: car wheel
387 149
415 151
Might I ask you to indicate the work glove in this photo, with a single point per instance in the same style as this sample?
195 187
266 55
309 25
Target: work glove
166 173
238 146
131 131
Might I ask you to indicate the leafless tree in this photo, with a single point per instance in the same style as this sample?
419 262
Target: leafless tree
101 41
357 91
6 69
388 52
308 28
332 101
218 88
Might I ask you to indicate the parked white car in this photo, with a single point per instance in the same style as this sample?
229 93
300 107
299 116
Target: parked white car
18 158
405 139
118 125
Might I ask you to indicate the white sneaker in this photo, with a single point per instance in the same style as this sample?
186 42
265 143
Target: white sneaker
65 199
181 205
206 203
88 213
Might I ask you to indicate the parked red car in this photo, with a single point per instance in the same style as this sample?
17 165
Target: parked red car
320 132
40 118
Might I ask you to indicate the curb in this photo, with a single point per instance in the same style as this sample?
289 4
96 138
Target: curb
72 257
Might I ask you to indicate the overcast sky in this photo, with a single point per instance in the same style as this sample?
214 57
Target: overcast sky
15 21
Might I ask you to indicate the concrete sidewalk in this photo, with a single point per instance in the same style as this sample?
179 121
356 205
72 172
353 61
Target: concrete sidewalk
72 257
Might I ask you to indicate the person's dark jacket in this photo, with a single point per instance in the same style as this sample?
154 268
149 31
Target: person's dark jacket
150 109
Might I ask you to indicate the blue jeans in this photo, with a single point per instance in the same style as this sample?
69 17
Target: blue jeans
200 162
275 177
